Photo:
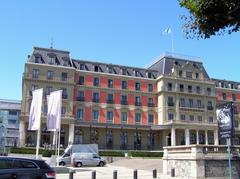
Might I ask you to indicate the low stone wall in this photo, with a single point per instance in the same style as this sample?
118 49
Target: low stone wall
197 162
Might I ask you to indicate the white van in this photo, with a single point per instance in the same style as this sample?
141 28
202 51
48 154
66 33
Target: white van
84 159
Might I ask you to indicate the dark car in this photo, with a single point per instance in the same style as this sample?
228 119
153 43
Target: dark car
23 168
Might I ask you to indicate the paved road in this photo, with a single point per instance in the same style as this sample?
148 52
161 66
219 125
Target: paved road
107 173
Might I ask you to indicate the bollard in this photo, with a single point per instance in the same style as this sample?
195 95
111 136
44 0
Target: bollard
135 175
71 172
155 173
114 174
173 172
94 174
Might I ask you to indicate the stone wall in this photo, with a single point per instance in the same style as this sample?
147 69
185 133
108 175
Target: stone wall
219 168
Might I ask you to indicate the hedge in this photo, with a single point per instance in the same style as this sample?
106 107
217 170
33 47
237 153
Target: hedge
28 150
111 153
145 154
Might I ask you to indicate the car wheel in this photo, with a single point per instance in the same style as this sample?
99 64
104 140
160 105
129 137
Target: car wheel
101 164
61 163
78 164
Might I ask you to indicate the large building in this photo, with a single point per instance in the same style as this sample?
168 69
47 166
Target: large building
172 102
9 122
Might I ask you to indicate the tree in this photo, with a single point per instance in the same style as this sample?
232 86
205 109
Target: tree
211 17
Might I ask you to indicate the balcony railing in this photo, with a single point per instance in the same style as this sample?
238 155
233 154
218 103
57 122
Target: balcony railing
124 102
110 101
170 104
137 103
150 104
210 108
64 96
96 100
45 77
80 98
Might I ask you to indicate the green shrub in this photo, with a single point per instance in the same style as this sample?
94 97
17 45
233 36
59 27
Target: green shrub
28 150
145 154
47 153
111 153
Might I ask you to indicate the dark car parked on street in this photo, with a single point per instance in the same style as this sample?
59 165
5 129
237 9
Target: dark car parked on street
23 168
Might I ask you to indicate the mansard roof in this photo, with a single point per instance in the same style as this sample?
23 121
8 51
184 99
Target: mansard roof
50 56
167 62
226 84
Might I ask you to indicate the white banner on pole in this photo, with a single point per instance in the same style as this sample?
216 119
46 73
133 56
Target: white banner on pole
35 110
54 110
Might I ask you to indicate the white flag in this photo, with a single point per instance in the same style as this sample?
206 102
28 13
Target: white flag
167 31
54 110
35 110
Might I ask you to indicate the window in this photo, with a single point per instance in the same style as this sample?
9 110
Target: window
124 99
49 89
150 118
137 73
124 84
109 116
50 75
80 114
35 73
124 116
169 87
183 117
64 93
224 96
110 98
64 76
182 102
27 164
170 116
96 81
234 97
189 74
63 111
210 119
45 108
80 96
191 117
96 68
138 117
198 89
137 86
65 62
199 103
150 87
150 75
197 75
191 103
170 101
208 91
180 73
138 101
81 80
189 88
110 83
95 97
95 115
82 66
124 71
181 86
210 105
109 139
199 118
150 102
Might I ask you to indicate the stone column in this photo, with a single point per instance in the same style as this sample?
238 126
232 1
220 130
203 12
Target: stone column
71 133
187 137
173 137
22 133
206 137
197 136
216 141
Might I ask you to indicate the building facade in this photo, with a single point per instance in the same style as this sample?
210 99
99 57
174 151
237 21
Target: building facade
9 122
172 102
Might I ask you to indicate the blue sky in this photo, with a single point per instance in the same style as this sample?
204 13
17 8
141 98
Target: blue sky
111 31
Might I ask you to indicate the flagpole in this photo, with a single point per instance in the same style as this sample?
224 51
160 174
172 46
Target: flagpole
38 141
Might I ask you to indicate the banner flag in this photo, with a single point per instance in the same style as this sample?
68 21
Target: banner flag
54 110
225 120
168 30
35 110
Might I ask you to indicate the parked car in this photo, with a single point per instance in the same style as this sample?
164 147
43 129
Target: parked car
84 159
23 168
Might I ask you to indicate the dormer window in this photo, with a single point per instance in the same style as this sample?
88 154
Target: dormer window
189 74
37 59
65 62
180 73
110 70
149 75
96 68
82 66
137 73
197 75
124 71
